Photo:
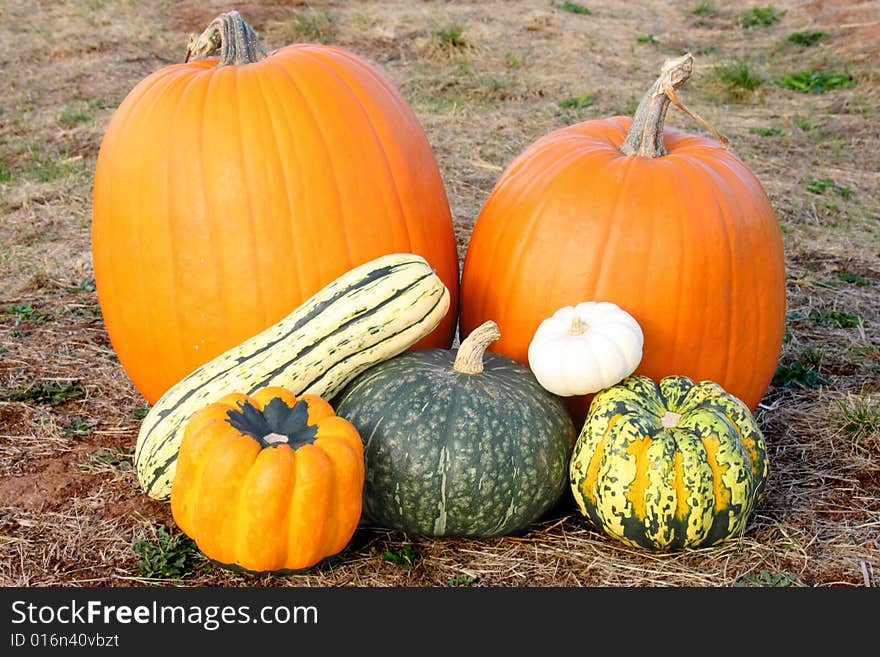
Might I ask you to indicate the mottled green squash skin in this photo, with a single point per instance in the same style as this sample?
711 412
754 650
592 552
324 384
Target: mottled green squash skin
454 454
691 481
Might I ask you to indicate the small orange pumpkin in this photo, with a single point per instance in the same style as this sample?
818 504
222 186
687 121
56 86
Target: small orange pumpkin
227 192
270 482
671 226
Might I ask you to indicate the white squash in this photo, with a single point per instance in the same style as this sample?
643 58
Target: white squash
584 348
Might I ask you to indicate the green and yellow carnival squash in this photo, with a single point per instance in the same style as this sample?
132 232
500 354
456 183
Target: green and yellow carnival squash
672 465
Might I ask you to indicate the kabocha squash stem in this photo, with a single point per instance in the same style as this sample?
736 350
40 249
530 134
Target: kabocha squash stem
469 359
237 41
645 136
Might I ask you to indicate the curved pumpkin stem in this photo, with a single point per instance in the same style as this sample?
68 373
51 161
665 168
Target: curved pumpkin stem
469 359
645 136
237 41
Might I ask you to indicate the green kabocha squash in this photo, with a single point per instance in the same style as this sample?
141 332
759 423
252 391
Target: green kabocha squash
671 465
458 442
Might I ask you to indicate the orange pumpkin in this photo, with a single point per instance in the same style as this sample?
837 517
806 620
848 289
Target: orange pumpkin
226 194
671 227
270 482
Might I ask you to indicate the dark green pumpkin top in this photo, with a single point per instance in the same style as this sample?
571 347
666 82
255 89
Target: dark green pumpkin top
277 424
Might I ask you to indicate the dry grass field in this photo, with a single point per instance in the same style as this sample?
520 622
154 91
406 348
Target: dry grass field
486 79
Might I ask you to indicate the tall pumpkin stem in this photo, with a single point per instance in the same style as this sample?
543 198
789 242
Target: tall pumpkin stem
645 136
469 359
237 41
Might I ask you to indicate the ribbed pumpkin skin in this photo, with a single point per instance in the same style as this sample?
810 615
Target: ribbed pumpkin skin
453 454
687 243
274 508
225 196
668 488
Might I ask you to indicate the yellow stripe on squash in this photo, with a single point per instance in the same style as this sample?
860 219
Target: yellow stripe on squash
668 465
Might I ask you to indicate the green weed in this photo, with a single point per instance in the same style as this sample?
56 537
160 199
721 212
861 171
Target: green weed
822 185
76 426
768 579
105 457
45 167
577 102
460 580
99 104
463 89
82 310
739 76
70 118
868 352
807 38
109 353
85 285
858 417
837 146
646 38
858 103
703 9
760 17
452 37
168 557
849 277
519 58
766 132
836 318
406 557
93 5
140 413
27 313
803 124
575 8
45 392
817 82
312 26
800 374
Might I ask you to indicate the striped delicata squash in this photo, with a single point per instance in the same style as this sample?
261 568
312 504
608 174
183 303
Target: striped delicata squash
369 314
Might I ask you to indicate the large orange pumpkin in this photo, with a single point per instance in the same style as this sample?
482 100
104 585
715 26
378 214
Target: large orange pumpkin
672 227
227 193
